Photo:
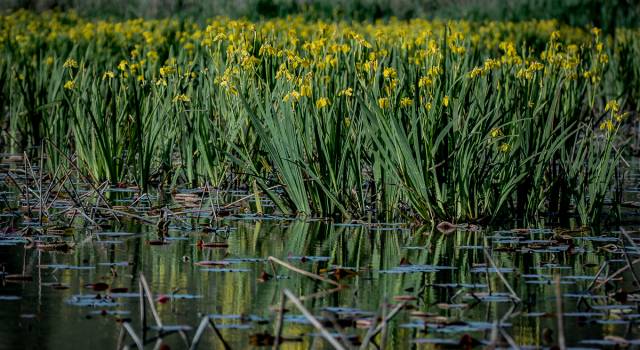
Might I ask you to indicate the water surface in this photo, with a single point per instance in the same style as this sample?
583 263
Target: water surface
450 287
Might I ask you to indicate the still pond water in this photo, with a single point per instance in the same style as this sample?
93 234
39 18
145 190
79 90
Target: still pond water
77 299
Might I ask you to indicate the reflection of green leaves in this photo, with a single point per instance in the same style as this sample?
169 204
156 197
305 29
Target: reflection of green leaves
365 246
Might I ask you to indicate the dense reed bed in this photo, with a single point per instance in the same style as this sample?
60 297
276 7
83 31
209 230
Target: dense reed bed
419 119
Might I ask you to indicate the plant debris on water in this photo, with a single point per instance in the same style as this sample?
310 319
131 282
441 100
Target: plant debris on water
450 289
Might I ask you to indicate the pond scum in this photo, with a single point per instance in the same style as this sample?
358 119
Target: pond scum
399 119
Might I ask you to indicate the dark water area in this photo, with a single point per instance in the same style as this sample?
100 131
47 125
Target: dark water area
445 279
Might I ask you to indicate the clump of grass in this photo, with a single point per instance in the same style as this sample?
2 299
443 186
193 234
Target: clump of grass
421 119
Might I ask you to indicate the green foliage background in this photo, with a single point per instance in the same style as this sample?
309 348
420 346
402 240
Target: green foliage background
604 14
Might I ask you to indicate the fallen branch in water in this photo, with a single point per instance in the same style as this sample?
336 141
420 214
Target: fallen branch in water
323 331
381 325
304 272
514 296
145 291
280 320
616 274
626 255
559 314
512 343
207 321
133 335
